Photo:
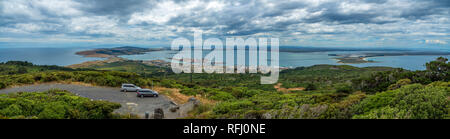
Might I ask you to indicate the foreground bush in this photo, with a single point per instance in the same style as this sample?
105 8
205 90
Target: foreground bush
414 101
409 102
53 104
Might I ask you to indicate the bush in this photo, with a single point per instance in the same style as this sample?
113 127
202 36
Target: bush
223 96
229 107
310 87
54 104
3 85
25 79
22 70
399 84
98 109
344 88
54 110
409 102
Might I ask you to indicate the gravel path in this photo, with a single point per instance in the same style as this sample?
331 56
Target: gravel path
128 100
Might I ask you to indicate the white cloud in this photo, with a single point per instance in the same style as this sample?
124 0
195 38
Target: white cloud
435 42
347 7
93 25
37 27
166 10
59 7
20 8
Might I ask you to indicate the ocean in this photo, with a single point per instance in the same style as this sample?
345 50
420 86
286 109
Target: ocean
44 56
67 56
292 60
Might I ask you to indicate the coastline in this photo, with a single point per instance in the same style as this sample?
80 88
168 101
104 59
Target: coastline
354 59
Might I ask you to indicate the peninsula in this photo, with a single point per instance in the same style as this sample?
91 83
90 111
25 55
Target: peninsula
362 57
117 51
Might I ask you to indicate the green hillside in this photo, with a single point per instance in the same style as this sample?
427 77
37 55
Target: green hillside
323 91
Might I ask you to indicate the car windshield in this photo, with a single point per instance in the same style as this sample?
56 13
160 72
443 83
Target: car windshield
145 91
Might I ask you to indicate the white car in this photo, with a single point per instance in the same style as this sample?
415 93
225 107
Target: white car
129 88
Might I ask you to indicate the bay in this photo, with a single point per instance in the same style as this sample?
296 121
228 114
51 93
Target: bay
67 56
44 56
292 60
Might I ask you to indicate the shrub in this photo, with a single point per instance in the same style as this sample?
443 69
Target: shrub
344 88
25 79
409 102
399 84
229 107
54 110
3 85
54 104
310 87
223 96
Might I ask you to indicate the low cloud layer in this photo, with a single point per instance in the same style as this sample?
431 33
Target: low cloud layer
386 23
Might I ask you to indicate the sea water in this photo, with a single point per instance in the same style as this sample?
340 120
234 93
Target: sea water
44 56
67 56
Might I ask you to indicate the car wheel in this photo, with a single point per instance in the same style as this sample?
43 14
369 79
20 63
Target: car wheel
155 95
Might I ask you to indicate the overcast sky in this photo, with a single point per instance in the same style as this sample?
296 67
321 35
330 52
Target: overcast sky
334 23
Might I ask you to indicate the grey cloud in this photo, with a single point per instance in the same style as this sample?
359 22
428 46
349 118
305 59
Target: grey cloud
375 1
115 7
424 9
239 20
282 8
256 10
441 3
346 18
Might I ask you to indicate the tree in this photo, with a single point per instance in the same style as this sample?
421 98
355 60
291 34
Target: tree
439 65
438 69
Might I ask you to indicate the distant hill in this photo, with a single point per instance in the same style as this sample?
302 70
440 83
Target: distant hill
113 52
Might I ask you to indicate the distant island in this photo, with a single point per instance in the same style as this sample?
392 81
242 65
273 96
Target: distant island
117 51
362 58
354 60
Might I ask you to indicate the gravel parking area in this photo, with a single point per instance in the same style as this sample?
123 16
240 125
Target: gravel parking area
128 100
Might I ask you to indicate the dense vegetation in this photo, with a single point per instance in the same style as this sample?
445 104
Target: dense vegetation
53 104
409 102
328 92
344 92
438 70
19 67
130 66
40 74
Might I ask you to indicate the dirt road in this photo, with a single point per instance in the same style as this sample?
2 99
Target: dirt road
128 100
